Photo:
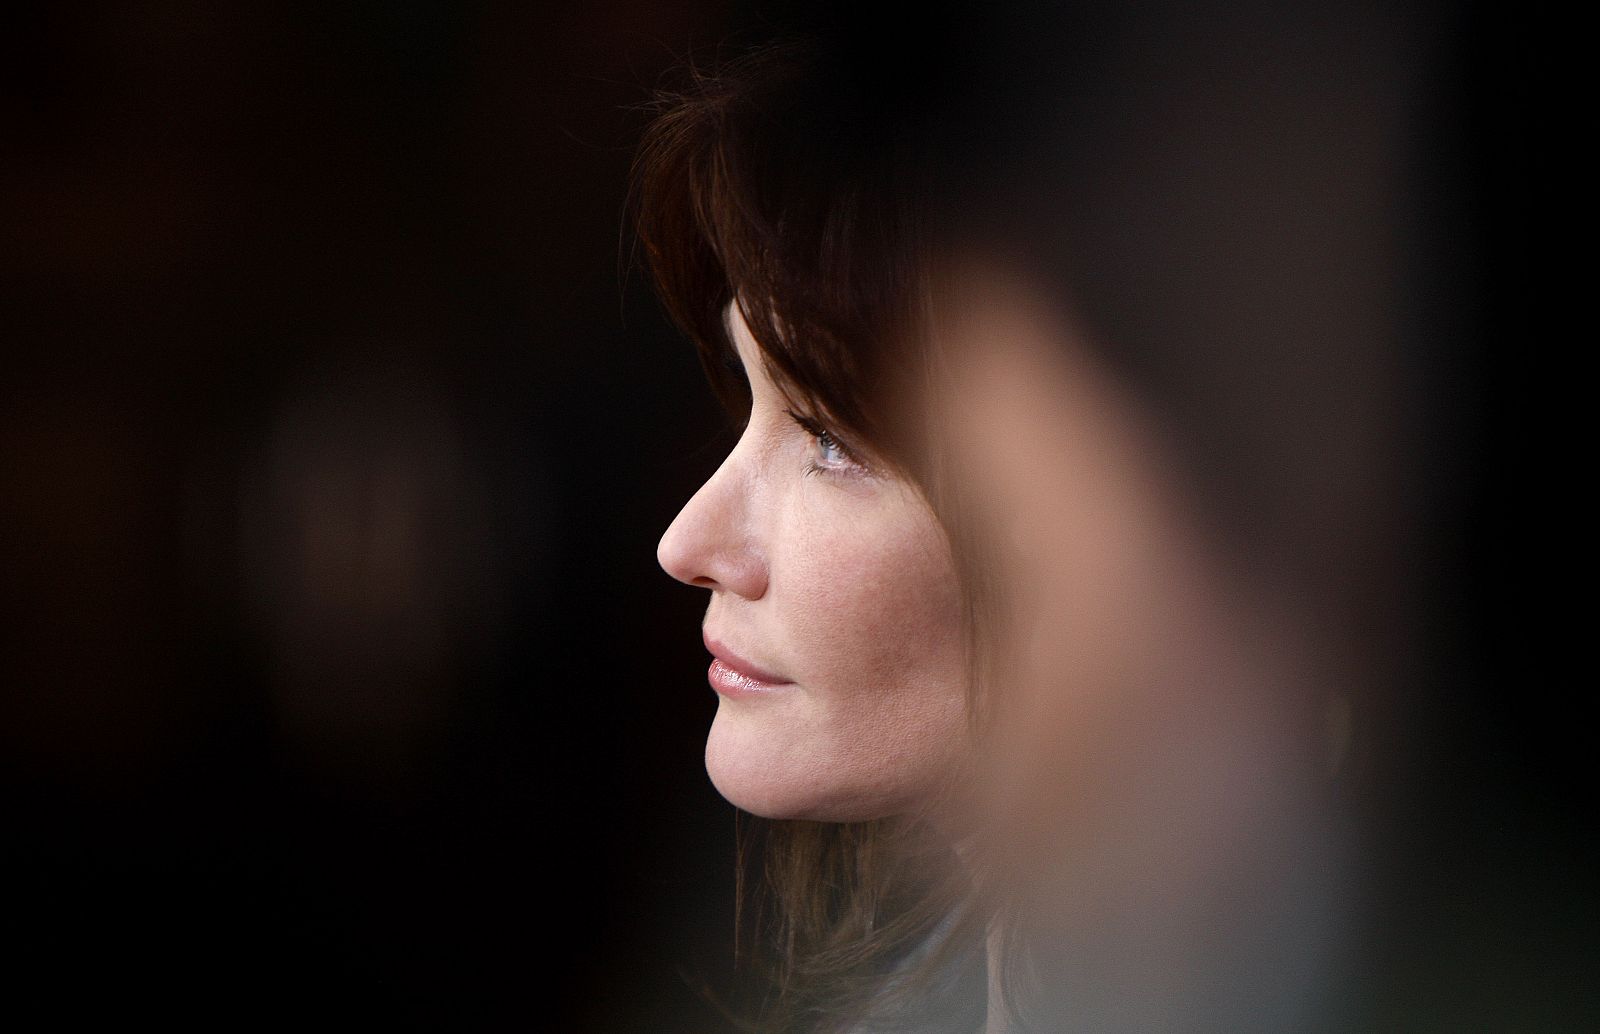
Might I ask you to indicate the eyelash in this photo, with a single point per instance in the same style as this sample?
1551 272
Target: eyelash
825 438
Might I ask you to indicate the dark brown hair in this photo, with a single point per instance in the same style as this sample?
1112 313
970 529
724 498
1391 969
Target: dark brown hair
789 184
792 187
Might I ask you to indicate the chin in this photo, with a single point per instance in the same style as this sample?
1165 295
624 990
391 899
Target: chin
761 767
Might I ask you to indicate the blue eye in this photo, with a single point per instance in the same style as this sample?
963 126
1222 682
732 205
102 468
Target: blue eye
831 453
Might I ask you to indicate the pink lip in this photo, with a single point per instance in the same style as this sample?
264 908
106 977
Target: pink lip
733 676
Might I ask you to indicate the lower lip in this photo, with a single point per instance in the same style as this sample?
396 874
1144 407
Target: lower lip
731 683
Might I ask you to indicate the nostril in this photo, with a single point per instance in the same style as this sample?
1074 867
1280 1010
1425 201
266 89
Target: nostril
704 582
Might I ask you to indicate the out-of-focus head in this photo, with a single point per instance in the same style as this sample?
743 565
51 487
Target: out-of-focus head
1130 666
1172 307
1175 406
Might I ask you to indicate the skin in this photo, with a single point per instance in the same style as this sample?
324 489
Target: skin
1161 753
1130 643
833 575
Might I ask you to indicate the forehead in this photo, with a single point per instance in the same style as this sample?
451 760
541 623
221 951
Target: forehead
744 342
753 361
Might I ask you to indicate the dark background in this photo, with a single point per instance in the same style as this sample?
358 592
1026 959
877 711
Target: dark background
335 438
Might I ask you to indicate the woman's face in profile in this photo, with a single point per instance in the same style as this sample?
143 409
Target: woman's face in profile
834 622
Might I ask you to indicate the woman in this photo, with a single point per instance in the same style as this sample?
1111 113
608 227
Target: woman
837 618
779 230
1031 736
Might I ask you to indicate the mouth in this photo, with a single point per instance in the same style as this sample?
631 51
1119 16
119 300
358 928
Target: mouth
733 676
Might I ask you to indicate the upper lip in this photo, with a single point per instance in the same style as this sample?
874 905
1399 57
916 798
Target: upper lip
744 667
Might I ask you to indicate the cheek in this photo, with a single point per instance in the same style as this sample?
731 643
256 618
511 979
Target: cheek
871 604
872 627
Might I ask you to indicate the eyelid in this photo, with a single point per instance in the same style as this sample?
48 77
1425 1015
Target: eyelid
816 429
811 426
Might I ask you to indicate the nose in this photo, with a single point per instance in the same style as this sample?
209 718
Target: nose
713 543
